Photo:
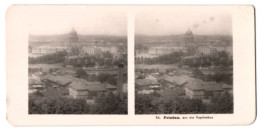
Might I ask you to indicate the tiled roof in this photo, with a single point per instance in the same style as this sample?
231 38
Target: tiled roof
78 86
97 87
179 80
34 82
212 86
194 86
57 79
164 77
62 80
206 86
143 82
90 86
48 76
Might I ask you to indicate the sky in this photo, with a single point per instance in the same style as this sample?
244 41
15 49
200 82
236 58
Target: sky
178 22
86 21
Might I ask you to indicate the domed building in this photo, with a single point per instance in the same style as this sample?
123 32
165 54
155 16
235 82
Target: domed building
73 36
74 42
188 38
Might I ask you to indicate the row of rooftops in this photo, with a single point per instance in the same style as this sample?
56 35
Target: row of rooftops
178 80
57 79
79 84
204 86
186 81
145 82
94 87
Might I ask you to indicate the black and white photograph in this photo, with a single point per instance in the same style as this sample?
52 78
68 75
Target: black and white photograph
147 65
183 62
77 62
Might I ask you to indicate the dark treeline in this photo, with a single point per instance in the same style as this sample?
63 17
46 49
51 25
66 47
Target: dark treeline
105 104
101 77
219 59
218 77
171 58
104 59
49 58
155 103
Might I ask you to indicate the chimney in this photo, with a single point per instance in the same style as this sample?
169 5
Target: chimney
120 80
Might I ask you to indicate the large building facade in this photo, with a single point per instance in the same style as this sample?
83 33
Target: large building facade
73 36
188 38
74 42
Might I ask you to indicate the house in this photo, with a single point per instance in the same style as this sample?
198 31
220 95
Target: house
146 86
194 90
152 77
91 50
207 50
175 81
56 81
202 90
211 89
37 51
78 90
89 90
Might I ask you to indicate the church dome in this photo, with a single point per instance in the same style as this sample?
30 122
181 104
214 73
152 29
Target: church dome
189 32
73 33
73 37
188 37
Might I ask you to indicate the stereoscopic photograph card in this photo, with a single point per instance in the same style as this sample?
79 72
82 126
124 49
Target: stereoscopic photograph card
130 65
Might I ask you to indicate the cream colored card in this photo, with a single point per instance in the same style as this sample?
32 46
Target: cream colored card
130 65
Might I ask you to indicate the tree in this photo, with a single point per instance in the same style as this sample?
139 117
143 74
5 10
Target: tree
49 58
109 104
102 77
198 74
58 105
144 105
80 73
221 104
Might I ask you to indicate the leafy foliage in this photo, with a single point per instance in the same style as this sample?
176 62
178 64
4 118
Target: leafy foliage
49 58
57 105
105 104
81 73
171 58
221 104
102 59
109 104
219 59
172 104
198 74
